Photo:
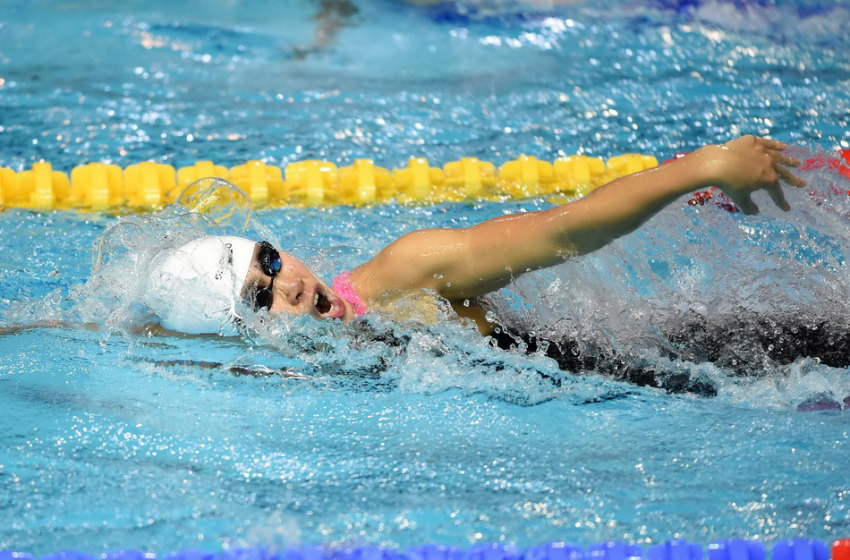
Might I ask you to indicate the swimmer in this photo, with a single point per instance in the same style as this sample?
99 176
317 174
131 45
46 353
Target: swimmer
332 16
460 265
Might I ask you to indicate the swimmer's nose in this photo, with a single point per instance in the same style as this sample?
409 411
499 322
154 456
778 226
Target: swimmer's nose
292 289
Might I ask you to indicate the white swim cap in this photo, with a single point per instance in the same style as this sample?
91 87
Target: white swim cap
195 288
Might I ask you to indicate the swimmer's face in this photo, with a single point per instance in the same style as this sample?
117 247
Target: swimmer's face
291 288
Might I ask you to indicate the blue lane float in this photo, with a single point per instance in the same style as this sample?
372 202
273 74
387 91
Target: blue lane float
732 549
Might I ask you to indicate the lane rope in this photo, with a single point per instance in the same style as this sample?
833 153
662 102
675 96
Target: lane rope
149 185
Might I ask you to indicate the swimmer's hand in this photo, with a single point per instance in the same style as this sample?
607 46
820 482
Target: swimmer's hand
748 164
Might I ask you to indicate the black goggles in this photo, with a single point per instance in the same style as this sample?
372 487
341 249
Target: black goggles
269 259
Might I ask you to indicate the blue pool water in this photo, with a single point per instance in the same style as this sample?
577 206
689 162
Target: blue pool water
113 440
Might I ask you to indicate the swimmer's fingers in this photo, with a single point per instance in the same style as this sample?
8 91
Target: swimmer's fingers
773 144
750 164
786 175
790 178
747 206
744 202
773 188
783 159
778 197
781 162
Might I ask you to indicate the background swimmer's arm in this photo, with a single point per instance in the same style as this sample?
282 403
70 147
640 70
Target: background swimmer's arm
151 330
466 263
49 324
148 329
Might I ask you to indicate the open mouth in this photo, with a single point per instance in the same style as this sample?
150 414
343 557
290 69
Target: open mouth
327 304
322 304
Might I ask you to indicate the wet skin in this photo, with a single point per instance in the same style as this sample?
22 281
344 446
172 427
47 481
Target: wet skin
296 290
461 264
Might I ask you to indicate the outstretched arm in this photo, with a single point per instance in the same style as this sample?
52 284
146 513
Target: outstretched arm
466 263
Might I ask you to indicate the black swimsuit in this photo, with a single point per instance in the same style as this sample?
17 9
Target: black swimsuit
747 344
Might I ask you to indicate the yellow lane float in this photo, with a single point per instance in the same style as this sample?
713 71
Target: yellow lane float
149 185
